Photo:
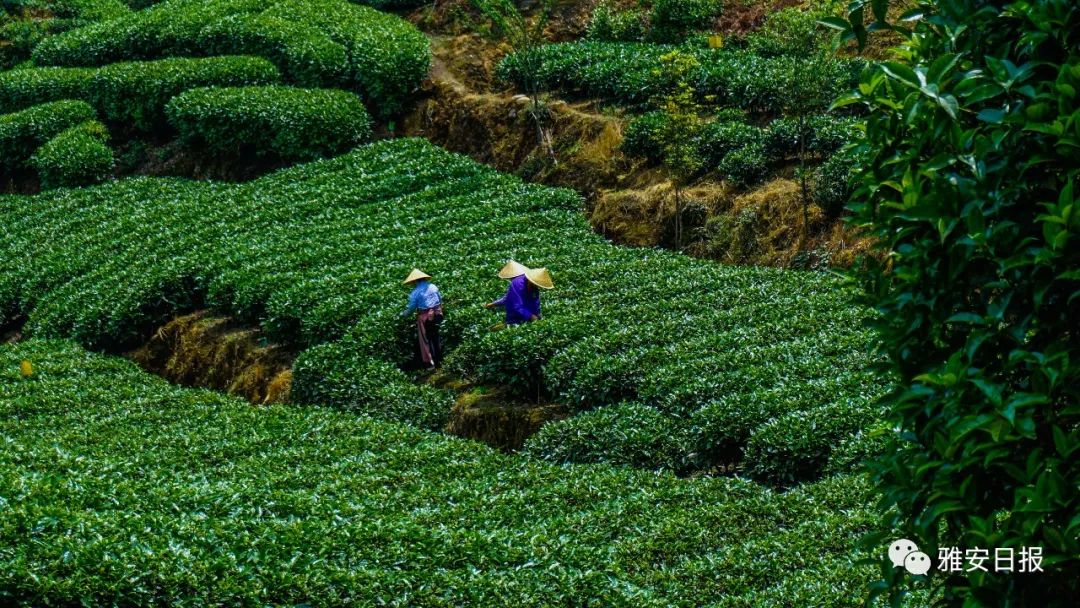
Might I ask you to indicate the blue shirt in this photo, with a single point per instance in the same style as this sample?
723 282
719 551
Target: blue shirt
423 296
520 301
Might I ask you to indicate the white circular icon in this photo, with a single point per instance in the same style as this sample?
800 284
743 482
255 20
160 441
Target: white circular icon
899 550
917 562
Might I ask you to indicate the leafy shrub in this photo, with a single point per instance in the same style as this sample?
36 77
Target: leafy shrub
388 56
824 134
333 375
306 56
853 453
720 429
610 25
627 73
20 89
78 156
796 446
84 10
166 29
719 138
20 36
790 31
313 42
834 183
625 434
289 122
745 166
969 186
642 136
23 132
135 93
672 20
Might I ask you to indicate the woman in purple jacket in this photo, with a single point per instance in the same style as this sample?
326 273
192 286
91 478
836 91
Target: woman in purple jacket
522 298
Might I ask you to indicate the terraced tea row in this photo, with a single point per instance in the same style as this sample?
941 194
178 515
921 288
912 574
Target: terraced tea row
118 488
316 254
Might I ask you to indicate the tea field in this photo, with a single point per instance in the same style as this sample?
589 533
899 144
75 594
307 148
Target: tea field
117 488
726 359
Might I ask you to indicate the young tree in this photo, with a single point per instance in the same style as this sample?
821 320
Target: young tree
525 36
678 135
969 184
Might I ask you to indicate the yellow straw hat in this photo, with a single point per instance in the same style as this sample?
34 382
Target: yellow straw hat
416 275
512 270
540 277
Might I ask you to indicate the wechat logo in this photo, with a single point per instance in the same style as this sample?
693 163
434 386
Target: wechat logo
905 554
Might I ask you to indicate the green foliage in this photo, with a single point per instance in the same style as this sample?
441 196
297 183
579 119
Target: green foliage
625 434
85 10
610 25
313 42
834 182
745 166
205 500
18 37
22 132
305 55
672 20
719 138
790 31
78 156
388 58
288 122
334 374
719 430
642 135
23 88
626 73
853 453
968 181
820 135
135 93
795 446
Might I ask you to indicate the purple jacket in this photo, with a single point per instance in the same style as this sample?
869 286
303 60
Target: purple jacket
521 303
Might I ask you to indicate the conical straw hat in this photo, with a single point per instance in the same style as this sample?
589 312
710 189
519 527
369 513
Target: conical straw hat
511 270
416 275
540 277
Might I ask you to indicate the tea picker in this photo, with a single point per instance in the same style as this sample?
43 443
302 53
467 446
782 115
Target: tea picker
427 302
522 297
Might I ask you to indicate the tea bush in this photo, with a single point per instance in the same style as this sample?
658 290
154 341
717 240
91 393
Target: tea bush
627 434
78 156
626 73
135 93
671 20
745 166
21 89
316 253
140 492
824 134
330 43
21 133
834 182
84 10
791 31
387 57
306 56
291 123
796 446
608 24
